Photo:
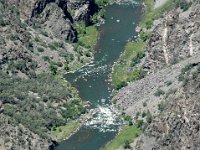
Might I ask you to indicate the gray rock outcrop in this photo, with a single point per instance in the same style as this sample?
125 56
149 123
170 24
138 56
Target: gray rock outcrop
174 38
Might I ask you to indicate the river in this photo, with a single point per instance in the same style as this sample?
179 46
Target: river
93 82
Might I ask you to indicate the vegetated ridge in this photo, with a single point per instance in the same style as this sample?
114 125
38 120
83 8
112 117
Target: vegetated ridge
40 40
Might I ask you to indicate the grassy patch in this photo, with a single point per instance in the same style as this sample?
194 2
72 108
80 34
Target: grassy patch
152 14
87 36
123 71
128 133
62 132
101 3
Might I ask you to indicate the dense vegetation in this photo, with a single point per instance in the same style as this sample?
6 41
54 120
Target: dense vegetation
87 36
125 136
39 103
126 69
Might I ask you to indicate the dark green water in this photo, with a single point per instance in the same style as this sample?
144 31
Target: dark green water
92 81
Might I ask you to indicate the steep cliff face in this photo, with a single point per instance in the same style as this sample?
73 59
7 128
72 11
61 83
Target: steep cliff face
41 38
167 98
70 11
174 38
31 8
53 18
178 125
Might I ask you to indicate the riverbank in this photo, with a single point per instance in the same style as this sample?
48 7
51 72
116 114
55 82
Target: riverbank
128 68
147 97
87 39
126 135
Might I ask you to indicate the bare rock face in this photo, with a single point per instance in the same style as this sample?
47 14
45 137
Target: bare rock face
81 13
31 8
172 65
174 38
178 127
63 12
53 18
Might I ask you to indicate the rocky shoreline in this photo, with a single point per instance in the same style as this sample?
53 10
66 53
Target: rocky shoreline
172 48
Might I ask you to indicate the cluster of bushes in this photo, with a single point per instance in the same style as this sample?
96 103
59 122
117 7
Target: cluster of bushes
183 77
101 2
159 92
187 73
136 59
30 102
126 70
161 106
95 17
184 4
87 36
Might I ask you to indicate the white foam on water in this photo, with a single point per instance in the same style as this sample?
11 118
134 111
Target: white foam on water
105 118
91 70
125 2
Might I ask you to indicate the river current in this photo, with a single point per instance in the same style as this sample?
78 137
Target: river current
93 82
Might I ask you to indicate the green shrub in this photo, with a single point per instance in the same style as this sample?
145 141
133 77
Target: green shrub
3 22
168 83
161 106
59 64
66 67
149 117
88 54
52 47
195 74
185 81
144 104
94 18
186 68
136 59
44 33
185 5
159 92
30 45
145 36
46 58
121 85
149 24
40 49
57 44
137 115
53 69
144 114
181 77
139 123
127 144
101 2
